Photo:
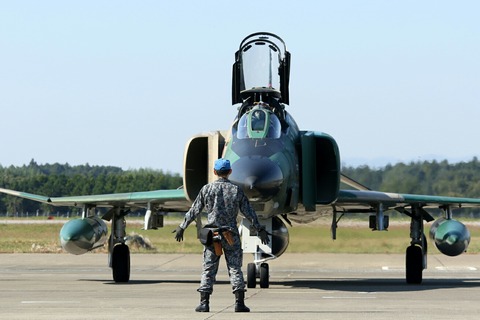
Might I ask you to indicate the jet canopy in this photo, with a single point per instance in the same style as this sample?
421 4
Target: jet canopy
259 123
262 65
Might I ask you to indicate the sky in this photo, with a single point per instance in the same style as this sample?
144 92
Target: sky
127 83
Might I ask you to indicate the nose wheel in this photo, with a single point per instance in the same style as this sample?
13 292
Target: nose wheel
260 271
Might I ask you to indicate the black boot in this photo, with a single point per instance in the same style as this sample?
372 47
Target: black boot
204 301
240 302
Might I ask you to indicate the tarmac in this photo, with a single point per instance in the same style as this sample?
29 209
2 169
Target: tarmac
302 286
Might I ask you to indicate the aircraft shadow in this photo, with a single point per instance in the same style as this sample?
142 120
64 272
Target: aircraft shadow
347 285
377 285
147 282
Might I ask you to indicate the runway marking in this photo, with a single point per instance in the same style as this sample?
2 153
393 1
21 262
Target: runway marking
363 297
441 268
47 302
456 268
293 292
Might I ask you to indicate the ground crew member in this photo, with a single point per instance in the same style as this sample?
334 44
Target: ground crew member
222 200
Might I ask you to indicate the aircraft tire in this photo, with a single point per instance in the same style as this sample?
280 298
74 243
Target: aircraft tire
414 264
264 275
251 276
121 263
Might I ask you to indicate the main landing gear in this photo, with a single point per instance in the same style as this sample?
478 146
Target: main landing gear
416 254
120 263
118 251
414 264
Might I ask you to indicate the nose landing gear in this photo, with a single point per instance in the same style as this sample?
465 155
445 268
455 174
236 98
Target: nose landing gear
259 268
260 271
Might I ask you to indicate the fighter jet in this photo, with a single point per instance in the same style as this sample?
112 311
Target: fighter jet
288 175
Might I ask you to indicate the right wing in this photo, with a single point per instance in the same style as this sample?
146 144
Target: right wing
162 200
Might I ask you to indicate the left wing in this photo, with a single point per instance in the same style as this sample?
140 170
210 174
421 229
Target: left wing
365 198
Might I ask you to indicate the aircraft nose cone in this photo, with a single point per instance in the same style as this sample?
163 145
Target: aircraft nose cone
259 177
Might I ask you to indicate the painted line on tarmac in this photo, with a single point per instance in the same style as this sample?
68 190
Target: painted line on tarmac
456 268
441 268
350 297
48 302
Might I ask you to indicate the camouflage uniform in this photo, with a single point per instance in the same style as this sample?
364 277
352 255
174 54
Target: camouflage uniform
222 200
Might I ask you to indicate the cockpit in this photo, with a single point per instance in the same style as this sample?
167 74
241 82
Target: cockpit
260 84
259 123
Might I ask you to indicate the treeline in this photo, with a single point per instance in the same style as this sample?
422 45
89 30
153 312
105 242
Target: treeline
58 180
435 178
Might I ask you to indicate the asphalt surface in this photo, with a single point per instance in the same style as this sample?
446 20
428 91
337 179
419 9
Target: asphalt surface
302 286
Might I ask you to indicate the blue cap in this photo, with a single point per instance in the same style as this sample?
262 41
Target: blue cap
222 165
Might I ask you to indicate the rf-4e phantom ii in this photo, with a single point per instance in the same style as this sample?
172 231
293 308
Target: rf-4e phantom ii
287 173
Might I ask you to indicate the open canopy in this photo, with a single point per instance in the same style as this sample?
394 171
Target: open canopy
262 63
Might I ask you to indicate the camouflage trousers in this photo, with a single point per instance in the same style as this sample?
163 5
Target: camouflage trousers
234 258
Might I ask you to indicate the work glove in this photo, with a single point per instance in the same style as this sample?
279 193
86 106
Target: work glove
178 234
263 235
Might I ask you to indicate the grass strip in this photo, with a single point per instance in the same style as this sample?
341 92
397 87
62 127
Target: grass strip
310 238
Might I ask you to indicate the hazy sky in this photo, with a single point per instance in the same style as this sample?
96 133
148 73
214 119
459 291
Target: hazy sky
126 83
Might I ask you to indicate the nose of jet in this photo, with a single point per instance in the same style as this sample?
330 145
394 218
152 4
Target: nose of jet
259 177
